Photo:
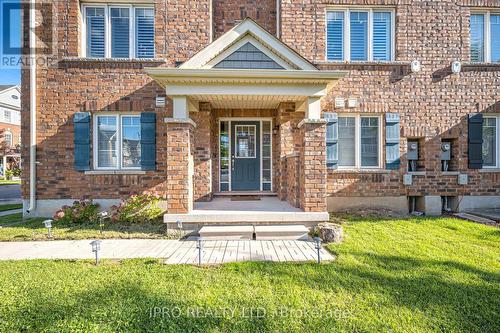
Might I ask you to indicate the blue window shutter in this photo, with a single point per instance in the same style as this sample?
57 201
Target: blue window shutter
144 33
95 32
495 37
475 141
81 124
335 36
392 155
332 138
148 141
382 36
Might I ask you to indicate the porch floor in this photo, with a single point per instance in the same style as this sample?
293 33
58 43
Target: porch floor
267 209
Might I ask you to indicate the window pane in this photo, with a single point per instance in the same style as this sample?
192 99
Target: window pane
106 142
335 35
495 37
489 142
382 36
120 33
131 142
95 32
369 141
145 32
8 139
245 141
359 35
477 37
346 141
224 151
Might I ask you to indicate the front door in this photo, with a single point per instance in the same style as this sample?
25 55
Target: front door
245 155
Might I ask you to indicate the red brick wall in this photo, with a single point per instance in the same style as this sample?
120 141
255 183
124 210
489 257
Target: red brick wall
227 14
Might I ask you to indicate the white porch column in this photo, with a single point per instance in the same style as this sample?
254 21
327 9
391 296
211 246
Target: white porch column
313 108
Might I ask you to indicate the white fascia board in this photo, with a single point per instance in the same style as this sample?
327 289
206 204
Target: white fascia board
247 89
247 26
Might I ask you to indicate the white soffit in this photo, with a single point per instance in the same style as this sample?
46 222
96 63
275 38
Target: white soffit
248 30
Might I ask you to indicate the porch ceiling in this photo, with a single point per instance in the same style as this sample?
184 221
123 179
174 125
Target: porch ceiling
245 101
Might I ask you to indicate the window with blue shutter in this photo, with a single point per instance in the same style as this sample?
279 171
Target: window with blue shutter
382 28
477 37
495 37
95 19
120 32
359 35
331 140
335 36
392 154
144 32
148 141
81 128
475 141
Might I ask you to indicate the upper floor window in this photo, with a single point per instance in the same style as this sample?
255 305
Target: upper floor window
491 141
360 35
7 116
120 31
485 37
8 139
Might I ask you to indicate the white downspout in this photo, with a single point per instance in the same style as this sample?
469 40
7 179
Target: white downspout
32 39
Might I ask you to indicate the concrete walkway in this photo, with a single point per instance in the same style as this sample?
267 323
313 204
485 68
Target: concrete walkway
173 251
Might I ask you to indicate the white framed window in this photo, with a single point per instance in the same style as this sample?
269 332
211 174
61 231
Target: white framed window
117 141
491 142
7 116
359 141
485 36
360 34
118 31
8 139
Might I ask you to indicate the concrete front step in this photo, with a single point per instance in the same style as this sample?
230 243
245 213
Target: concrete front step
269 232
227 232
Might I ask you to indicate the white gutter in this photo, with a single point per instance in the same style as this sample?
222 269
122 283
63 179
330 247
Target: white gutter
32 39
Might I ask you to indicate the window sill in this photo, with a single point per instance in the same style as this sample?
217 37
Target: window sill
490 170
110 61
450 173
381 171
474 65
417 173
115 172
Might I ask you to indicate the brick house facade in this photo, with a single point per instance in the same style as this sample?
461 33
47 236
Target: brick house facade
192 39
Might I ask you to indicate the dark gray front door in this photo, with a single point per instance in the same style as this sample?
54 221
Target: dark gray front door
245 155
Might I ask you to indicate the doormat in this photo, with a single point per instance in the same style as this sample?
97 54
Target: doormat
245 198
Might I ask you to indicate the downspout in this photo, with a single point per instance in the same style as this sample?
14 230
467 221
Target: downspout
32 42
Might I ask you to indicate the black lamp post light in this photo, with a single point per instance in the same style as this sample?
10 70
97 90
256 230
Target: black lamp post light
318 248
200 249
48 225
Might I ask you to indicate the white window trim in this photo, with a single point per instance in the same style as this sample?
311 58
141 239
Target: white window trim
357 142
487 31
119 144
497 165
107 27
347 34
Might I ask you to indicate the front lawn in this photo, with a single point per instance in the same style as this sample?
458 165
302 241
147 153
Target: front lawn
9 182
417 275
6 207
15 229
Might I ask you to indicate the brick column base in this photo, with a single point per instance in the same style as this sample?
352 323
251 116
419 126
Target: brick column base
179 166
313 173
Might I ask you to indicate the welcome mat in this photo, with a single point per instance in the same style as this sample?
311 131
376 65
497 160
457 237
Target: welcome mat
245 198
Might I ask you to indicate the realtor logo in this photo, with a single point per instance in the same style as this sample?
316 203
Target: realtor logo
15 31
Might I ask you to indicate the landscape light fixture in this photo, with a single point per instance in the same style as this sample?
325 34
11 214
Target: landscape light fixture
48 225
102 217
96 247
318 247
199 247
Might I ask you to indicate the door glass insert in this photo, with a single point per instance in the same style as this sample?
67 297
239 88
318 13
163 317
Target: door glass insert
266 153
224 155
245 141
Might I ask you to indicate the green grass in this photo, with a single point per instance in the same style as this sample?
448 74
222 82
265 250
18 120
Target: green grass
418 275
15 229
9 182
4 208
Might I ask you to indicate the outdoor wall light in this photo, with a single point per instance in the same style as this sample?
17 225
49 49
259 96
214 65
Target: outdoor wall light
456 67
199 247
48 225
318 247
96 247
415 66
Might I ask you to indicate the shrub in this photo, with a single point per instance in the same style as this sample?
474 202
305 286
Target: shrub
8 174
82 211
142 208
16 172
